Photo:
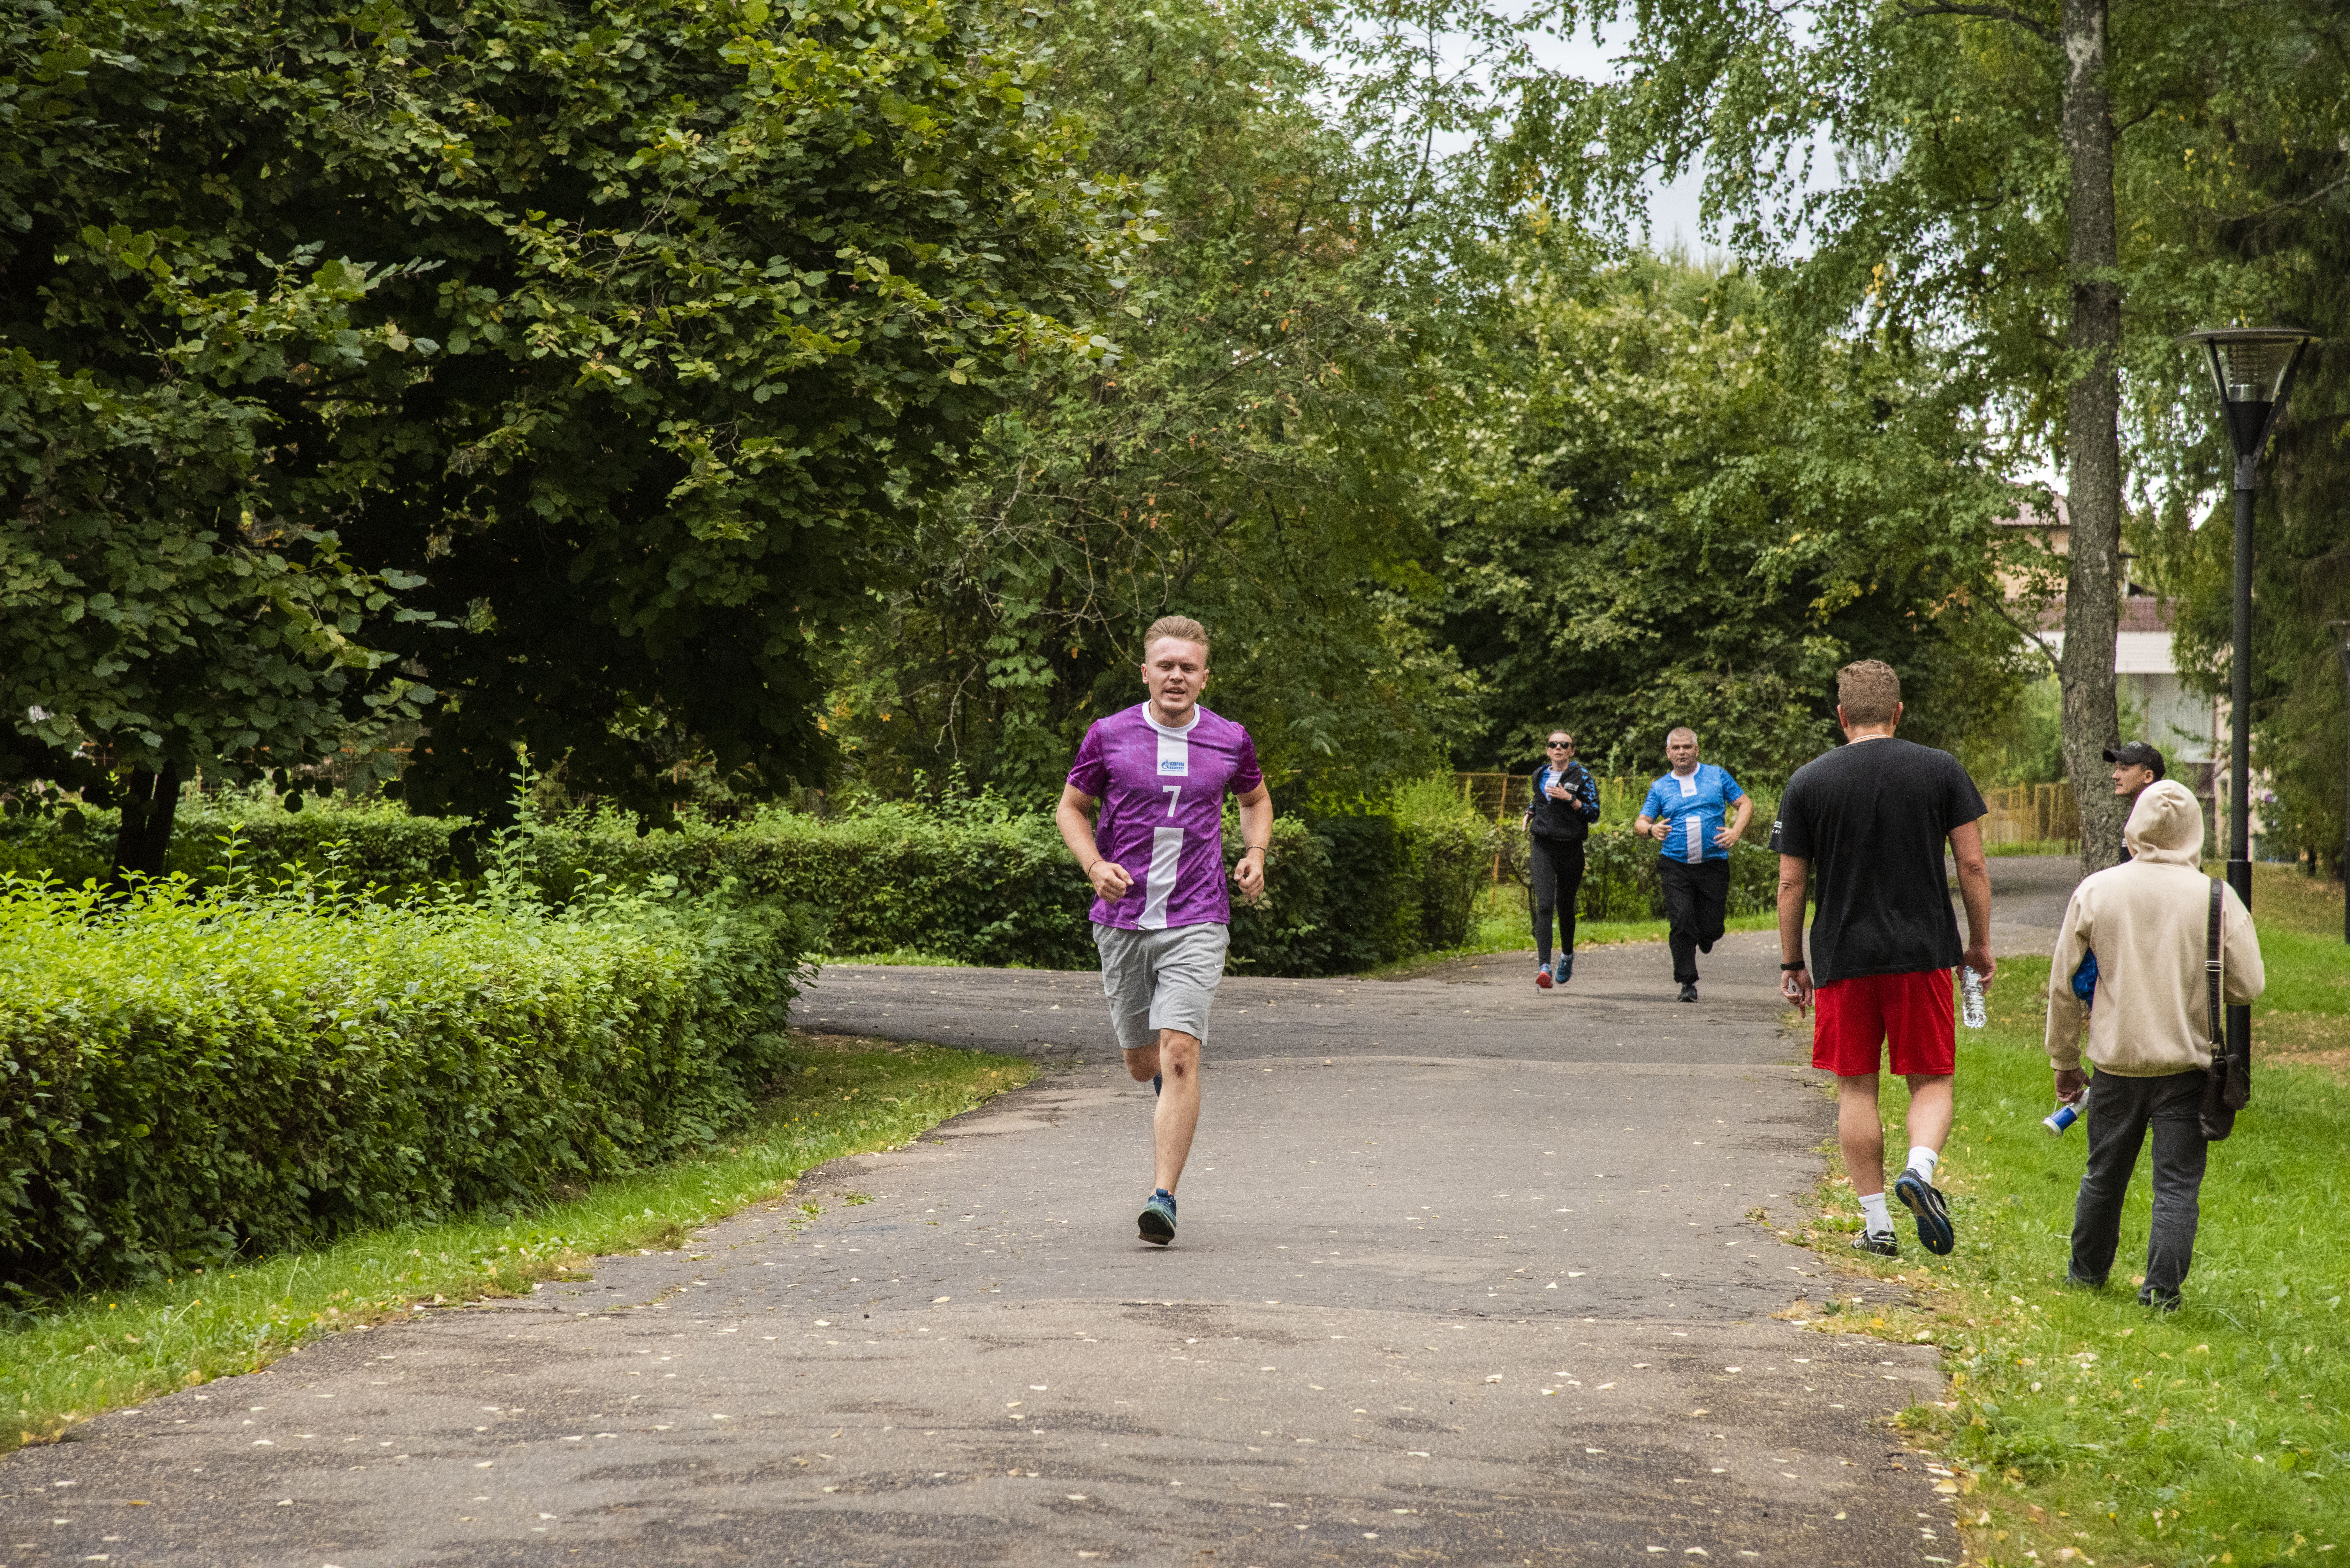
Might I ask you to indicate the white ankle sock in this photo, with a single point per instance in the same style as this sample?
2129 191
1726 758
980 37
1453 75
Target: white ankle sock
1923 1161
1875 1217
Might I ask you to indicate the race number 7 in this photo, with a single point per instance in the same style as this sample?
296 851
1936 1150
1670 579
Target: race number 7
1174 796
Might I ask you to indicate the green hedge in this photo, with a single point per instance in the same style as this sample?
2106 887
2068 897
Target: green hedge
375 839
191 1074
1621 882
971 881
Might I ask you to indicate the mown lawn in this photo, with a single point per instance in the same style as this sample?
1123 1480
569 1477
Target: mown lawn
2086 1427
116 1348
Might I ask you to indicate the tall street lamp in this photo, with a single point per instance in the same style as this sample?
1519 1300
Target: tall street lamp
2341 646
2252 369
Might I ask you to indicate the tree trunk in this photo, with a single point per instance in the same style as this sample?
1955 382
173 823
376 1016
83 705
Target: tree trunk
2091 438
143 841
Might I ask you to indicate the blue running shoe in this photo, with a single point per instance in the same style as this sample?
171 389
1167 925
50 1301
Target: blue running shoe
1565 970
1156 1223
1920 1198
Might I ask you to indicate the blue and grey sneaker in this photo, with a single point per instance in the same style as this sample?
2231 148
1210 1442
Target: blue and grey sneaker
1921 1198
1156 1223
1565 970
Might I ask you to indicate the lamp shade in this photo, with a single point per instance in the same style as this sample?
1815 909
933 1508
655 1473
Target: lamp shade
2252 369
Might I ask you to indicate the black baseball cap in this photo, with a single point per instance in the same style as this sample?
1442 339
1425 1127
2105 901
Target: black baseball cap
2136 754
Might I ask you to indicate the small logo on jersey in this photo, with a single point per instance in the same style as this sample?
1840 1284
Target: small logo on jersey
1173 765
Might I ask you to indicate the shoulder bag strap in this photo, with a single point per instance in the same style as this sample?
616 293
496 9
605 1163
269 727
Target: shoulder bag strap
2212 975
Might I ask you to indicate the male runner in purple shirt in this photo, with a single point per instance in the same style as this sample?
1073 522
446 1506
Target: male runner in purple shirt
1160 770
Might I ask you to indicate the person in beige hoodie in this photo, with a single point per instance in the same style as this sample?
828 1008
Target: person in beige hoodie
2149 1032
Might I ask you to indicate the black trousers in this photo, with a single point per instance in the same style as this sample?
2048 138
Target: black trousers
1554 869
1697 902
2121 1113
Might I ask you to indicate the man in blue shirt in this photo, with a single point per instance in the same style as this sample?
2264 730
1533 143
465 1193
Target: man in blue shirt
1688 813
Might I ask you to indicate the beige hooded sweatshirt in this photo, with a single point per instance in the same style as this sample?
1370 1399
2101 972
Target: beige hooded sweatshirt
2146 921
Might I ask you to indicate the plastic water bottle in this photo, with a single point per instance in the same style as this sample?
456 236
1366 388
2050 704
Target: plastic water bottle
2060 1121
1971 991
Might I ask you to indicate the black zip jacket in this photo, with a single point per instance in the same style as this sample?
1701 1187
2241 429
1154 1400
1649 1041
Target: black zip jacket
1567 820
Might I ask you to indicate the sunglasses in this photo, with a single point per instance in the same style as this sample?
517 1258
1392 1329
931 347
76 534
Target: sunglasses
1558 746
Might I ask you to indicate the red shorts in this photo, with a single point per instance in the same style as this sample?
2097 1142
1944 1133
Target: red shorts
1915 1011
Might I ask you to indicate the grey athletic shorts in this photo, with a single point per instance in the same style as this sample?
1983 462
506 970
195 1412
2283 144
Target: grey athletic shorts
1161 980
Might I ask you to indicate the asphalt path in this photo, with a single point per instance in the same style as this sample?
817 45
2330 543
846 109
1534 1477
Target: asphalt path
1468 1273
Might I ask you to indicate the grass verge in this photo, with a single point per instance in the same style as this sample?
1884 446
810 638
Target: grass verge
116 1348
2085 1428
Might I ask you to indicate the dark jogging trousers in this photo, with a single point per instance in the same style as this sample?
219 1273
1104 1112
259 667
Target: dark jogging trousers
1697 903
2122 1111
1554 870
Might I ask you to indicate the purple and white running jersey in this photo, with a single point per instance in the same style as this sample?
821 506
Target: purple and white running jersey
1163 815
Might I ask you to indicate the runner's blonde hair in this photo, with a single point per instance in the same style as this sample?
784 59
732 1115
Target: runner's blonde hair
1867 691
1181 628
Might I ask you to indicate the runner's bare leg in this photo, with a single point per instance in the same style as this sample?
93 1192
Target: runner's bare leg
1177 1055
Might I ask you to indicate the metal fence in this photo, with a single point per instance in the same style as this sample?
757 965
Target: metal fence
2031 814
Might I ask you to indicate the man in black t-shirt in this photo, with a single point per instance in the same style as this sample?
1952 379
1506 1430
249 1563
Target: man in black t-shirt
1863 829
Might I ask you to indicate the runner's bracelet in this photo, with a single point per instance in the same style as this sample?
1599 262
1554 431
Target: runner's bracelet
1799 963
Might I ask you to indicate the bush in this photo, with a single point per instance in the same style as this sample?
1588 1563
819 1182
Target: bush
1620 880
368 840
191 1074
970 880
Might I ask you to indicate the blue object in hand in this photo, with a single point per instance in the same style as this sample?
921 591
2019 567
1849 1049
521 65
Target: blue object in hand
2084 980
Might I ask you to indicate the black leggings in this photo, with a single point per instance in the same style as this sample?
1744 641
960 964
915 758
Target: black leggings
1554 869
1697 902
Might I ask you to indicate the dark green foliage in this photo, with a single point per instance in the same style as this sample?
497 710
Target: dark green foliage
2297 231
1653 512
186 1076
971 881
1246 464
1621 882
366 842
577 362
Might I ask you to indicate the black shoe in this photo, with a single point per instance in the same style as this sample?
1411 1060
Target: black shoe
1689 990
1922 1199
1877 1243
2158 1299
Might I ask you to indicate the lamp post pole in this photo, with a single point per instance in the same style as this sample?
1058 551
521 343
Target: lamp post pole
2342 646
2252 370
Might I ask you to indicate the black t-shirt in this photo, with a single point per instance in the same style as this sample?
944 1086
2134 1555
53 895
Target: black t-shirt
1871 817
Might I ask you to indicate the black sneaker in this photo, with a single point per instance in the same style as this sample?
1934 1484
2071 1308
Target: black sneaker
1877 1243
1689 990
1156 1223
1922 1199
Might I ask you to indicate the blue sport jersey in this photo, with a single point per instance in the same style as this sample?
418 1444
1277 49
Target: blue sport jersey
1696 807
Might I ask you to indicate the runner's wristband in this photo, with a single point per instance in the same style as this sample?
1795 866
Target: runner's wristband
1799 963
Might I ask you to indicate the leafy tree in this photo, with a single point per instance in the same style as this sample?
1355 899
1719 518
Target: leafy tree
1248 464
2273 200
578 364
1657 511
2011 196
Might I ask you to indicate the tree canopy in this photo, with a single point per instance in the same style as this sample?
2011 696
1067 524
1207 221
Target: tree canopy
578 365
1248 464
1656 510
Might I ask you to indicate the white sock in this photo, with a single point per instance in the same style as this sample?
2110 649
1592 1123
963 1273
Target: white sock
1875 1218
1923 1161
